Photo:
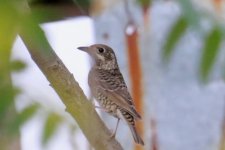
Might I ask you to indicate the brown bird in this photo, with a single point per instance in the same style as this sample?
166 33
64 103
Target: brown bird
109 89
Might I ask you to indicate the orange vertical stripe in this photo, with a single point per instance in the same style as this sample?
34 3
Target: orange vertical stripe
218 5
136 75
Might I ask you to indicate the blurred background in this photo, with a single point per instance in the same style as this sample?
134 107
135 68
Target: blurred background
171 53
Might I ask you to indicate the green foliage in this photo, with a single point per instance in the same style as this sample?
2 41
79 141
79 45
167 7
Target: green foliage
174 35
191 18
9 18
23 117
6 96
9 24
15 18
17 65
8 27
210 50
52 122
145 3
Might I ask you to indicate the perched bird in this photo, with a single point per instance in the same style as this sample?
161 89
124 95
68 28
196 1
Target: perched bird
109 89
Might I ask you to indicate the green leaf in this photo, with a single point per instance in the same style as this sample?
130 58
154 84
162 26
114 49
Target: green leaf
51 124
209 52
24 116
7 93
9 18
145 3
173 37
190 12
17 65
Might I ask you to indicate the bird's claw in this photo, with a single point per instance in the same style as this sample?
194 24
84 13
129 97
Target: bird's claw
113 134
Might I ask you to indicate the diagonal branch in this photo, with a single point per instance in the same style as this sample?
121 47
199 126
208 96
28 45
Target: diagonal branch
68 89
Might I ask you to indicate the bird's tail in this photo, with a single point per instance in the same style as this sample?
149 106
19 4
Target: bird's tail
136 136
130 119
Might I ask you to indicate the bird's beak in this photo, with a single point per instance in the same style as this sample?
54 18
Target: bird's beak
85 49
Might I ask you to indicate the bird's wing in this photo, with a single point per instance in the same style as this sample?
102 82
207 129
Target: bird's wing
112 84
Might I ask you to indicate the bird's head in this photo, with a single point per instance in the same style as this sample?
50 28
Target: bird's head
103 55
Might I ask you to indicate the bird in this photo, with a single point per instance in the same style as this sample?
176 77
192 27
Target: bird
109 89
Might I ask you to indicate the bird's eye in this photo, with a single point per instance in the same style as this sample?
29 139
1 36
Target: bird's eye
101 50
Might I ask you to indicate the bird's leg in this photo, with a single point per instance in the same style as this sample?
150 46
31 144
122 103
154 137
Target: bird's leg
117 124
93 104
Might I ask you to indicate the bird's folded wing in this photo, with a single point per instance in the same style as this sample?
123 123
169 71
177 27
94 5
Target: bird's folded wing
122 102
117 91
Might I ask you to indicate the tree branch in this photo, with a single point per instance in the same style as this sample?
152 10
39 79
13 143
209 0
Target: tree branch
68 89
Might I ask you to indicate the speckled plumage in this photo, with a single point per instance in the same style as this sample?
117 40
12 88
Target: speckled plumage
108 87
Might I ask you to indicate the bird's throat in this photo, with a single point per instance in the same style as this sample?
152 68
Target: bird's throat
107 65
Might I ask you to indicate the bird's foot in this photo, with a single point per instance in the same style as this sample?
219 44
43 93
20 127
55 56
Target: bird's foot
113 134
101 108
